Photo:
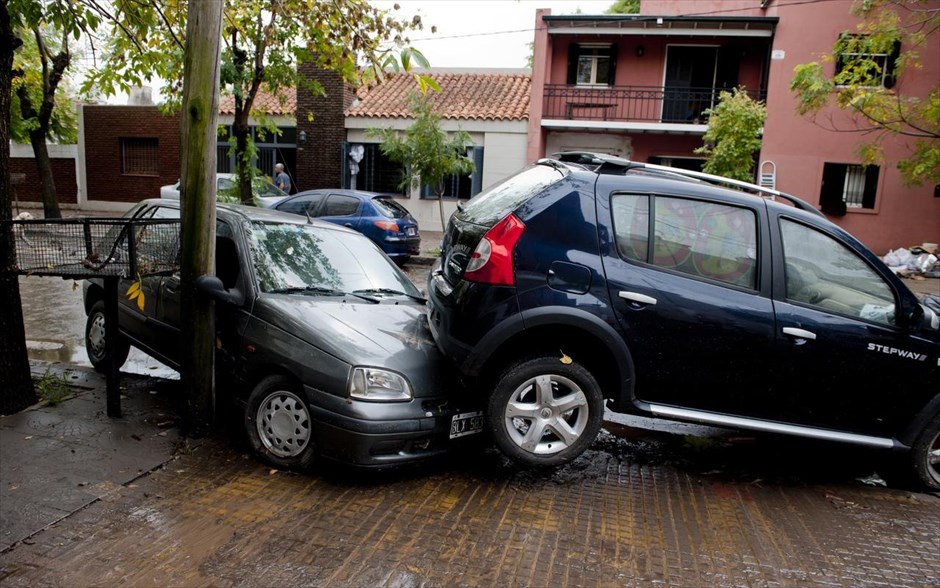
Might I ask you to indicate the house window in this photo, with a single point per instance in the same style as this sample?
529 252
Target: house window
591 64
377 173
140 156
458 186
865 61
847 186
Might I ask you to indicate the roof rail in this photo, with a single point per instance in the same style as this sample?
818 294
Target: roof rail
610 164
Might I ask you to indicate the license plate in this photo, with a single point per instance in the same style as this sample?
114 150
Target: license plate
466 423
411 231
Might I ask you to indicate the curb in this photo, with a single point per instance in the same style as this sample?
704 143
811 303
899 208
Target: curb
421 260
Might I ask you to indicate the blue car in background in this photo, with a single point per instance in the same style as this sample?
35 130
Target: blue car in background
377 216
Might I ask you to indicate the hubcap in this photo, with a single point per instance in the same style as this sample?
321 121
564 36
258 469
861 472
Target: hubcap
546 414
933 458
96 341
283 424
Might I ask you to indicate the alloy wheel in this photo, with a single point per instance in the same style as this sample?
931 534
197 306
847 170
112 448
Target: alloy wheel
546 414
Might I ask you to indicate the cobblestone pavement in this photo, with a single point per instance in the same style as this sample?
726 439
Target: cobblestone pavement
638 509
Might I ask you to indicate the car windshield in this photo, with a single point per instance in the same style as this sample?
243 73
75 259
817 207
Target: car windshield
298 257
389 207
490 206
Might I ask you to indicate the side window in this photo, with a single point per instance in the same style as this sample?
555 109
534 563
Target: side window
301 205
823 273
339 205
702 239
632 225
158 244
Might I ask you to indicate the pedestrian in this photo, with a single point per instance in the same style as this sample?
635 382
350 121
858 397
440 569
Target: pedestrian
281 179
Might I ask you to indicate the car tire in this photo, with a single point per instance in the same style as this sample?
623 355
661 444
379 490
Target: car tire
545 411
95 344
925 455
278 424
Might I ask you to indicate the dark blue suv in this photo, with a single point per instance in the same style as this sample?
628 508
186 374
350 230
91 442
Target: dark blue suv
588 279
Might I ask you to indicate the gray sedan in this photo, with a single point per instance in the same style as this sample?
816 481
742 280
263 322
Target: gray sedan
323 340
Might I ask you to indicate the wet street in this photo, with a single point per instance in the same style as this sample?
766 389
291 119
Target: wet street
650 504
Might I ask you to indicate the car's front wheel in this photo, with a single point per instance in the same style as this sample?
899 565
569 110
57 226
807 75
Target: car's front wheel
278 424
925 455
95 343
545 411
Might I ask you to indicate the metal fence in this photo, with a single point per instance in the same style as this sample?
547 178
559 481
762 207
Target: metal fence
95 247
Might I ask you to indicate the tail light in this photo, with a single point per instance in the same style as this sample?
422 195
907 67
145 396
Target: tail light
387 225
491 261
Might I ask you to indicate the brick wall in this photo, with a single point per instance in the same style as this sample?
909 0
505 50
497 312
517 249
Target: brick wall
63 174
105 126
320 159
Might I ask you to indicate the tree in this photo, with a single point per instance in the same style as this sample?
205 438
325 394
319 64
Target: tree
18 392
36 96
624 7
868 82
733 135
63 122
429 155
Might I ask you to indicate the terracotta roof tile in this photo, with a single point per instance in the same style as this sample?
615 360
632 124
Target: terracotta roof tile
284 103
480 96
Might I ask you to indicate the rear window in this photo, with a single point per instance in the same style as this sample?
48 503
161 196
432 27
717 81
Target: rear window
389 208
490 206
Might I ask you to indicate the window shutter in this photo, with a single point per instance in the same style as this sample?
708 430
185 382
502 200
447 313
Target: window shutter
476 181
612 55
871 186
573 52
344 164
890 74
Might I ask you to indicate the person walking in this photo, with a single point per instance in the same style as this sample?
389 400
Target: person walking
281 179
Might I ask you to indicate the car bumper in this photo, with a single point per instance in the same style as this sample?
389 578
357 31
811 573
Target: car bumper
382 434
401 246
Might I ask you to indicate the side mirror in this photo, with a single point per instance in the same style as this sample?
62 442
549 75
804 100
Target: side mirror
212 287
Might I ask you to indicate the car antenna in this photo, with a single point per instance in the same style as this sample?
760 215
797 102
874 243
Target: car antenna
307 214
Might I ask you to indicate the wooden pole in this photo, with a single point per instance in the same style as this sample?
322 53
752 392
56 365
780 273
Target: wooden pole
197 196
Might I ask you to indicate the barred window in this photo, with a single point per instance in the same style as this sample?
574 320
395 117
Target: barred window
140 156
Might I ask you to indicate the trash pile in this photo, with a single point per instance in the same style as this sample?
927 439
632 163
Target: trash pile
918 261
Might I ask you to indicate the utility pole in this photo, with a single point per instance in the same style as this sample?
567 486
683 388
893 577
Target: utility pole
197 196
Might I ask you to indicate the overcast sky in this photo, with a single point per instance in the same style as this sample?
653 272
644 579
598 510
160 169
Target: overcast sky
482 33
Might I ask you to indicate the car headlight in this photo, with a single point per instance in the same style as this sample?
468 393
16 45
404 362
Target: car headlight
378 385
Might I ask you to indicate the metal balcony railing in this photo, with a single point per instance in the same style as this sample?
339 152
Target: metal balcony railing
631 103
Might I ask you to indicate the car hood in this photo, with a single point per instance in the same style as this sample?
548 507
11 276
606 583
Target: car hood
388 335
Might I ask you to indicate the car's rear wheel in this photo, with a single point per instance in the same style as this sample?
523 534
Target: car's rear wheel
545 411
926 455
96 344
278 424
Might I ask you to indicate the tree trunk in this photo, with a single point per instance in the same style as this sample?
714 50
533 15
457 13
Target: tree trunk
50 204
440 203
17 390
197 193
243 171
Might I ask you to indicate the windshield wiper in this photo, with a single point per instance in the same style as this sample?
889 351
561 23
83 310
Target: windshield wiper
393 292
322 290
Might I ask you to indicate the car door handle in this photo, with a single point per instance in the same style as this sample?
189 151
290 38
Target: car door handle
638 298
348 225
799 333
171 285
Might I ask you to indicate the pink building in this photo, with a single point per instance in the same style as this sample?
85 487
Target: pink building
636 86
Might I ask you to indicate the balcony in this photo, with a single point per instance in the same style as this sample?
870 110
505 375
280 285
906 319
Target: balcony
630 104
